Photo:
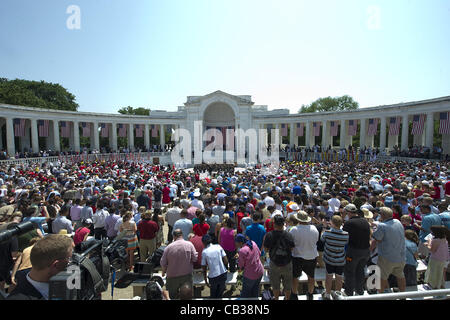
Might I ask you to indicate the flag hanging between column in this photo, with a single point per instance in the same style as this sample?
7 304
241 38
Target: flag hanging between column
65 129
43 126
373 127
19 127
394 126
352 127
122 130
444 123
316 129
300 129
86 129
104 130
139 130
154 131
418 124
284 130
334 128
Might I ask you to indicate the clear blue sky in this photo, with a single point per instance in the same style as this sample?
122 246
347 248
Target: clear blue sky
147 53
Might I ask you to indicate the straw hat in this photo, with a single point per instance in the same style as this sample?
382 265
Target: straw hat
302 216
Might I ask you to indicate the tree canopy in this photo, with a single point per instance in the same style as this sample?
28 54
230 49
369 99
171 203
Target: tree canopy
37 94
136 111
330 104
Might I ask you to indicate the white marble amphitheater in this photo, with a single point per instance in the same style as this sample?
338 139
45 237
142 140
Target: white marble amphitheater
222 110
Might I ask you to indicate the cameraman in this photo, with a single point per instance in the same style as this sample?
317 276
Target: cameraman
49 256
154 291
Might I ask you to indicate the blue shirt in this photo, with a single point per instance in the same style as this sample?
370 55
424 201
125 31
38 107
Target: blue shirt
429 220
185 225
445 218
256 233
297 190
391 235
411 249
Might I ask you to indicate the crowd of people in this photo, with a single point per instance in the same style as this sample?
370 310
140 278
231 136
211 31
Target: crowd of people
295 218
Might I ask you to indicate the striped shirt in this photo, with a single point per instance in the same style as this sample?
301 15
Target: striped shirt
334 246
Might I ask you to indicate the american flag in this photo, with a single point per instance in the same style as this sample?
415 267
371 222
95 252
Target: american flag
19 127
418 124
352 127
444 123
394 126
65 129
373 127
334 128
316 129
104 132
230 138
86 129
139 130
300 129
154 131
284 130
122 130
43 128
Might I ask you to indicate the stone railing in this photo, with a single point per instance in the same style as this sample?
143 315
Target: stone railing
133 156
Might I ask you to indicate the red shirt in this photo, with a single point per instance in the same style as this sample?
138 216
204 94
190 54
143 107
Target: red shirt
198 245
239 217
147 229
80 234
268 225
201 229
437 193
447 188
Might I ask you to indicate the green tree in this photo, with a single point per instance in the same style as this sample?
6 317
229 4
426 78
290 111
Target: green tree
38 94
136 111
330 104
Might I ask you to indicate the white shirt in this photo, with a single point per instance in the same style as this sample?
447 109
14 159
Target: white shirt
173 215
99 218
198 204
269 201
334 204
305 238
212 255
42 287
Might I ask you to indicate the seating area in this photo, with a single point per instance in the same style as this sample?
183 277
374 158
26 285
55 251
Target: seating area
232 278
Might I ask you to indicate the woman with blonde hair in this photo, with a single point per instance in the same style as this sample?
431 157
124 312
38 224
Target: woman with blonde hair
128 230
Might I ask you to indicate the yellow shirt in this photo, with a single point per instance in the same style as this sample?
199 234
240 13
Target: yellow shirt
26 261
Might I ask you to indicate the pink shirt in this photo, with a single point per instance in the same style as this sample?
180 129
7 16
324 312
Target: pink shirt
249 261
227 239
441 254
179 257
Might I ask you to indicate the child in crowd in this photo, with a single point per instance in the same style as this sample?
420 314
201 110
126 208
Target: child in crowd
410 270
406 221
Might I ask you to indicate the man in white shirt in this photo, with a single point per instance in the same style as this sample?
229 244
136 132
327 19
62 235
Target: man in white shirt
214 258
172 216
334 202
197 203
99 223
304 255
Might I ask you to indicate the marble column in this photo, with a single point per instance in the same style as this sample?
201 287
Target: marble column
162 136
325 134
113 137
147 137
10 144
95 140
293 139
34 135
362 133
342 134
405 127
56 142
308 137
76 136
131 137
383 133
429 130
